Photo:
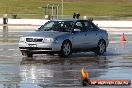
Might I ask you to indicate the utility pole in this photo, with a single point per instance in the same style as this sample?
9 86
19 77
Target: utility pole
62 8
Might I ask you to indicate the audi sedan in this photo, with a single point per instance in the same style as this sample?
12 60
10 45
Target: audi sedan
63 37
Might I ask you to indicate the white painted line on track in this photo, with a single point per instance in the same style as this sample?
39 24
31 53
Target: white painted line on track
9 49
1 49
13 49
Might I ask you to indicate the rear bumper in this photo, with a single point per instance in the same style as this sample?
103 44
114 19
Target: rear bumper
107 42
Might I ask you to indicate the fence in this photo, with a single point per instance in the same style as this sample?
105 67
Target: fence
42 16
13 33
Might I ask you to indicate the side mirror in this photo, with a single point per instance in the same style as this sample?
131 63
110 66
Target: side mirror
77 30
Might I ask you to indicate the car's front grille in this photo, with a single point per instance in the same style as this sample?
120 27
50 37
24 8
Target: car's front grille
34 39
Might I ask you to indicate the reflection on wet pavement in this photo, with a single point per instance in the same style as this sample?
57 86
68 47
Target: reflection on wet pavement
61 72
44 71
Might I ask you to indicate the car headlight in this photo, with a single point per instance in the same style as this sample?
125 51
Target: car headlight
22 39
50 40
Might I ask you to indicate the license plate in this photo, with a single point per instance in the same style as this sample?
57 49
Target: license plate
32 45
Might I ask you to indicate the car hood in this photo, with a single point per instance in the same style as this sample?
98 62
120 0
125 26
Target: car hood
53 34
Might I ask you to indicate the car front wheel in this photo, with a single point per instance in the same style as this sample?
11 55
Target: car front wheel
101 47
66 49
27 54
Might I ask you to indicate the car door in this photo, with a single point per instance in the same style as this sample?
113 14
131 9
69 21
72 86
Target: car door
79 35
91 34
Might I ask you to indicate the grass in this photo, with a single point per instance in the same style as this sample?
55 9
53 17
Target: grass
84 7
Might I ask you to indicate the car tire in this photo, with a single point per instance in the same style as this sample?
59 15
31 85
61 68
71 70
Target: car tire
66 49
27 59
101 47
27 54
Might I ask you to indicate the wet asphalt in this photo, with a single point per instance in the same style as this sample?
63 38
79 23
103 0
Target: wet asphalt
48 71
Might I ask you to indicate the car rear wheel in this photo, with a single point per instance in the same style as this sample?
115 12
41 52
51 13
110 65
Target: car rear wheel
101 47
66 49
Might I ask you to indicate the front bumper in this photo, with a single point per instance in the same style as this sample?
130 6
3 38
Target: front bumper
39 47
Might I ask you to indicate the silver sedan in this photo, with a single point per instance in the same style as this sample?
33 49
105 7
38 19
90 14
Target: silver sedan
63 37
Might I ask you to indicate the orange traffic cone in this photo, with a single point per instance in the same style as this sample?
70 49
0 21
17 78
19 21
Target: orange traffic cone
123 44
123 37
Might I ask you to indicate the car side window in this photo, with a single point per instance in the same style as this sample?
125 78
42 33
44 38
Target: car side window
80 26
67 26
87 25
90 26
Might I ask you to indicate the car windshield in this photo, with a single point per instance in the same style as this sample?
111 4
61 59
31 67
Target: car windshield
61 26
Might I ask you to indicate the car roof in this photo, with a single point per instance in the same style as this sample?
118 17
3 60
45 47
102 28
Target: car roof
68 20
64 20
